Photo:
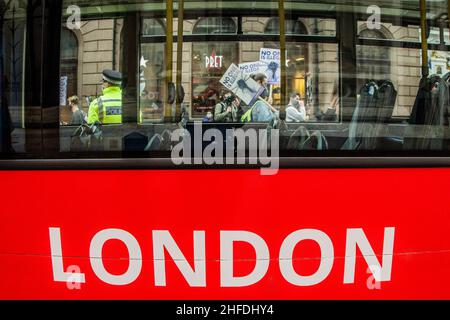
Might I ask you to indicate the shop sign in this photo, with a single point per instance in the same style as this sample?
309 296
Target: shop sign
213 61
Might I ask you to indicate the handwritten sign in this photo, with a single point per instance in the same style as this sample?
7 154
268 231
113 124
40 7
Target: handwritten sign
266 54
247 89
271 60
253 67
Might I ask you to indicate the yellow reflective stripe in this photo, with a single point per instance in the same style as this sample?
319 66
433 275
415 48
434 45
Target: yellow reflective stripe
111 110
247 116
101 110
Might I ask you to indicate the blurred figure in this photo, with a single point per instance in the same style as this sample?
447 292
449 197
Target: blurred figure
208 117
295 110
261 111
332 110
77 114
228 110
261 79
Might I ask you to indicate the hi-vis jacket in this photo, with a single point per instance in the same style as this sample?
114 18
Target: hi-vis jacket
259 112
107 108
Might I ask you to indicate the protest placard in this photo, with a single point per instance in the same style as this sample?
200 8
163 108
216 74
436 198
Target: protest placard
247 89
271 60
253 67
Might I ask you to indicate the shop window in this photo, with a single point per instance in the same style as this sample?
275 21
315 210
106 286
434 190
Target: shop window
151 72
210 60
151 83
296 58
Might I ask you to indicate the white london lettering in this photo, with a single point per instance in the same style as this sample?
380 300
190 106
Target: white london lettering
194 271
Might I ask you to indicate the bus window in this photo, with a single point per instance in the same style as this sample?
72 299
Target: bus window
331 77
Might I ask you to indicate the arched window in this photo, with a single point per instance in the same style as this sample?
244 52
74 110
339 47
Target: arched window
373 62
69 61
215 25
152 27
292 27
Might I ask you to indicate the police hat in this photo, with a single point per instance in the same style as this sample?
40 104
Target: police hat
112 76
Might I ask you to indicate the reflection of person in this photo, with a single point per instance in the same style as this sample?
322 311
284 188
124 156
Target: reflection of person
331 113
208 117
261 111
77 114
107 108
295 110
228 109
261 79
334 105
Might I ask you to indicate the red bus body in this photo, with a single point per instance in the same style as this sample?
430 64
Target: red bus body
413 201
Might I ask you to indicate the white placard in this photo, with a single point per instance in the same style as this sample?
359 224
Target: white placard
247 89
253 67
271 60
62 90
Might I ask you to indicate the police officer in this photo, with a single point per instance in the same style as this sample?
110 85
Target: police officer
107 109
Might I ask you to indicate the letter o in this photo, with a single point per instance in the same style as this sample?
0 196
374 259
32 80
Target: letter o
134 253
287 250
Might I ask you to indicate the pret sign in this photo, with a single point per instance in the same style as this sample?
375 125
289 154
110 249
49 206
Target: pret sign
213 61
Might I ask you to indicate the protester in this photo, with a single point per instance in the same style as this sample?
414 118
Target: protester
261 111
77 114
261 79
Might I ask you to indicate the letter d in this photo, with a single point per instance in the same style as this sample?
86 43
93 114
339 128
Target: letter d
227 238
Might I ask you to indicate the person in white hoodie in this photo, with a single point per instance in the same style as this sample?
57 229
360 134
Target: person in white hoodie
295 110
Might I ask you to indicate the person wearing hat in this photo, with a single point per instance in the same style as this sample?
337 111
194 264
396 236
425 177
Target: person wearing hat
107 109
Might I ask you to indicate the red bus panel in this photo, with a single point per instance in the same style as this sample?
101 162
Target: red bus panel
308 226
